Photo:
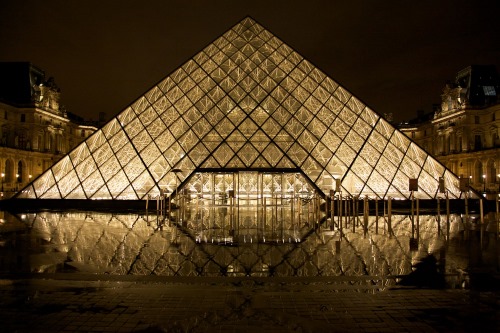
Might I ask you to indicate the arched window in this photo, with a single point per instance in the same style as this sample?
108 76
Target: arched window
478 173
8 171
491 172
5 136
39 143
20 172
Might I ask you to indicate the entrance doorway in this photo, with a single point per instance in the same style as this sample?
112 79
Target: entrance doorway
249 206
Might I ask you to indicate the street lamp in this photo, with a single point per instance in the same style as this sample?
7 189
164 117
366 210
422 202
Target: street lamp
3 176
484 183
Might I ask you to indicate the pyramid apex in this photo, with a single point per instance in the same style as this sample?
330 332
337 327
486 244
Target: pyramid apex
247 22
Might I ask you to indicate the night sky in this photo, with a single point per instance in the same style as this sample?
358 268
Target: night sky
395 56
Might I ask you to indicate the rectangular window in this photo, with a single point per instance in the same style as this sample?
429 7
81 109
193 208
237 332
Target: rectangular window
23 118
476 119
83 133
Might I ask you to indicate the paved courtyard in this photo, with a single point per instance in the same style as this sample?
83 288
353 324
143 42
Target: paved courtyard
96 303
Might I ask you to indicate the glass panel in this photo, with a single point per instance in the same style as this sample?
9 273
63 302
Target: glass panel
149 154
188 140
354 140
125 154
452 184
140 105
307 140
132 129
77 193
126 116
110 168
80 153
95 140
134 168
153 95
61 168
386 168
111 128
410 168
51 193
340 128
149 115
93 183
248 154
43 183
369 154
159 168
85 168
143 184
361 169
378 184
427 186
103 154
117 184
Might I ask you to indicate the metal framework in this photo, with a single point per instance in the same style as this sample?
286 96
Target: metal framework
245 102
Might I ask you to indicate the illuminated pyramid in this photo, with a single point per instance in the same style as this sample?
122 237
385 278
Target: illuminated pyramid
245 102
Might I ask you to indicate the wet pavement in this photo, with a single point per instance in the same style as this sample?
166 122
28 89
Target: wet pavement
96 303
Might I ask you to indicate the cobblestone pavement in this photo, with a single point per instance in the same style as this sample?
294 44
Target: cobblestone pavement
150 304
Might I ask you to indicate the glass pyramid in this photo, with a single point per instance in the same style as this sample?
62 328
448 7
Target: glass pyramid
245 102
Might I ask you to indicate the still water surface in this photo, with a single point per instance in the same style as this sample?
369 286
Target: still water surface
148 244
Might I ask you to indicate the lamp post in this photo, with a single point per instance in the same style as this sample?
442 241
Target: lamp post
3 176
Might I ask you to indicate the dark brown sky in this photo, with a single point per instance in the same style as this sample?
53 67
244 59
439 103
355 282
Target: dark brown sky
394 55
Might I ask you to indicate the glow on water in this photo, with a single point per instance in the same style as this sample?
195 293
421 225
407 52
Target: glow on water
132 244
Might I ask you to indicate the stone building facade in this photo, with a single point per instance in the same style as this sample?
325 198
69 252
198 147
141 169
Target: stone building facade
35 130
463 131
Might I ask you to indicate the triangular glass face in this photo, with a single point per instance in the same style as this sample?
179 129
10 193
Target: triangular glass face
245 102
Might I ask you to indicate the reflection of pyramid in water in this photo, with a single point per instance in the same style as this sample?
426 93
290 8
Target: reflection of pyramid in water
246 101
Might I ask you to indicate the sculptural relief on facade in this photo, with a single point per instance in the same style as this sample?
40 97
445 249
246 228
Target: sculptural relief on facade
47 95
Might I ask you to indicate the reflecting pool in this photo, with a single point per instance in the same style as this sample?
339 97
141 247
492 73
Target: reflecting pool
150 244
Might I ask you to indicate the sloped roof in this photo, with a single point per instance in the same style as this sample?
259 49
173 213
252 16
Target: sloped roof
246 101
